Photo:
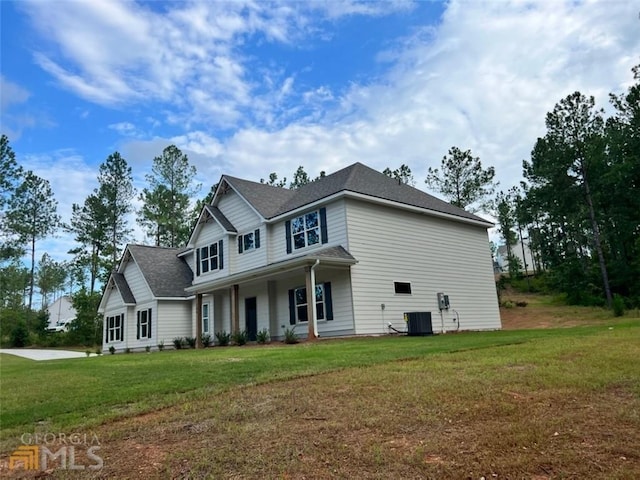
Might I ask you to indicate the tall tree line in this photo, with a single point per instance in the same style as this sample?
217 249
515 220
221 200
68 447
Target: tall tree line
580 203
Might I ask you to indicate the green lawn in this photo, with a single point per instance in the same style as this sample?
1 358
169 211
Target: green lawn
64 395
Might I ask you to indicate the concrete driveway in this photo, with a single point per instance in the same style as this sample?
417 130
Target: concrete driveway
39 354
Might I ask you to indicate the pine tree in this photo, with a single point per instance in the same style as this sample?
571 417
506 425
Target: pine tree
462 180
165 213
33 216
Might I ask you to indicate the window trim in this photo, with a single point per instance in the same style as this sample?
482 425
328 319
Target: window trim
147 323
255 241
206 317
326 302
115 331
321 227
200 259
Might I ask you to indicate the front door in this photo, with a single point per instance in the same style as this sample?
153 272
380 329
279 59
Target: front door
251 317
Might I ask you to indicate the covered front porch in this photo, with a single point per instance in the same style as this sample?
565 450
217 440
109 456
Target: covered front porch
310 294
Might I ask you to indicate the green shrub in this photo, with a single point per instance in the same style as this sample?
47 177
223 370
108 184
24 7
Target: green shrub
147 348
178 343
240 338
161 345
618 305
191 341
507 304
98 350
206 340
20 335
112 349
88 352
521 304
127 350
263 336
290 336
223 338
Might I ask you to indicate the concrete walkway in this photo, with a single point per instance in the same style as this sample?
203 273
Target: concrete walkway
38 354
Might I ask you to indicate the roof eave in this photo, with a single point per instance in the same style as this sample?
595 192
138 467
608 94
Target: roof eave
381 201
268 270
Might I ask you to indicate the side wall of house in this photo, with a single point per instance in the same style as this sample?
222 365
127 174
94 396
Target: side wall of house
433 255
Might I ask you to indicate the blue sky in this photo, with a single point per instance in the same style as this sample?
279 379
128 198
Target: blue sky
248 88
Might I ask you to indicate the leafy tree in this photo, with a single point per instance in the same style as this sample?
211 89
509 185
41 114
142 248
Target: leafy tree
402 174
33 216
20 335
111 207
462 180
10 175
165 213
86 328
14 282
567 160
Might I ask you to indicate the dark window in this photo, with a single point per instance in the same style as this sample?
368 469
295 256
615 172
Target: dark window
115 328
402 287
210 258
144 324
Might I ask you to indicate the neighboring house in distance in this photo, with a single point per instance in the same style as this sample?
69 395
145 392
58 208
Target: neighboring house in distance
347 254
526 260
61 312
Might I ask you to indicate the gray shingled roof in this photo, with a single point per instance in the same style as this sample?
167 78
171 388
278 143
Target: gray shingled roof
266 199
166 274
338 252
358 178
123 288
219 216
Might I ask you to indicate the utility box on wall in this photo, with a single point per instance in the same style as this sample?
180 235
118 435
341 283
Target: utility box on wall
418 323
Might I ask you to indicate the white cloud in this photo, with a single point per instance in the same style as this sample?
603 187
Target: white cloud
11 93
483 79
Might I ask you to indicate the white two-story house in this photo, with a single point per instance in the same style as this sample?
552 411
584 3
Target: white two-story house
348 254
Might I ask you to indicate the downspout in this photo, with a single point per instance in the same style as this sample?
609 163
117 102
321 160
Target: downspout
313 292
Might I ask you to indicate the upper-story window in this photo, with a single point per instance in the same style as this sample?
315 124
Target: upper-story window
249 241
209 258
306 230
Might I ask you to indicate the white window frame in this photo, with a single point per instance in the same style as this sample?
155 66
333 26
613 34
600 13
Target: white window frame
206 318
208 260
321 313
245 237
147 322
304 232
115 328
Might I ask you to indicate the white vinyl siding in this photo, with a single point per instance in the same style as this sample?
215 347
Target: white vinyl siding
433 254
137 283
254 258
172 319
